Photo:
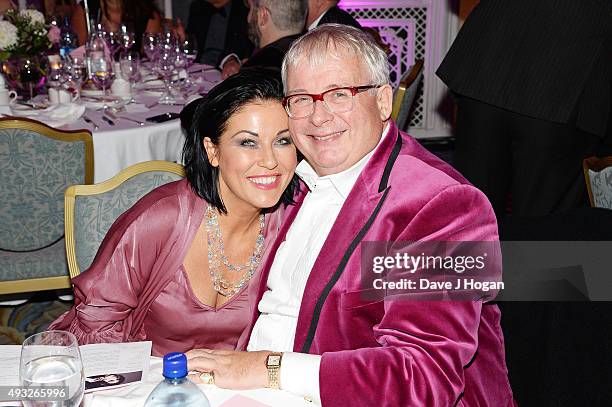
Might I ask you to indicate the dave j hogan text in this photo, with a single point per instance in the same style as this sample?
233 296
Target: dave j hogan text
461 284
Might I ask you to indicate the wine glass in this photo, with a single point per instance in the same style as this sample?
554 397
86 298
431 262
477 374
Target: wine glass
55 78
50 359
165 66
102 73
126 39
76 71
130 69
114 42
30 75
149 45
167 40
189 49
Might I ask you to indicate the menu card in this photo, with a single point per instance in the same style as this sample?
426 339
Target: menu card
106 365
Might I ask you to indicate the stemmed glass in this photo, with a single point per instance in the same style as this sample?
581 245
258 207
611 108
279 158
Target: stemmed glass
76 72
56 78
126 39
113 39
189 49
165 66
102 73
130 69
167 40
30 75
180 62
149 45
50 359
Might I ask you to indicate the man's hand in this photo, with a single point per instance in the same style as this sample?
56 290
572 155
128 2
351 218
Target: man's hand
232 369
230 67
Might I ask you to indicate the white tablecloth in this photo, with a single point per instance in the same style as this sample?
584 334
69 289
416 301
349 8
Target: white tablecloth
123 144
126 143
135 395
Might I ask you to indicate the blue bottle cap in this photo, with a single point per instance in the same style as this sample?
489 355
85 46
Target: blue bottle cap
175 365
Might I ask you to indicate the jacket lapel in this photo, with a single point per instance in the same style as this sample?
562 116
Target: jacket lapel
354 220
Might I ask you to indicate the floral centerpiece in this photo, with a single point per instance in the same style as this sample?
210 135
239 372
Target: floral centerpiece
25 41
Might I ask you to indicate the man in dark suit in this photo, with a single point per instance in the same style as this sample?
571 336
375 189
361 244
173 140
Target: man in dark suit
327 11
532 84
273 25
220 28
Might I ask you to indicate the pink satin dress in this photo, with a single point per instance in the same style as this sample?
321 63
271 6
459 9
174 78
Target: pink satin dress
137 289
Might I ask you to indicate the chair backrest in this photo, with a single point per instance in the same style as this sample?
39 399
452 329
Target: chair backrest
37 164
92 209
598 177
406 93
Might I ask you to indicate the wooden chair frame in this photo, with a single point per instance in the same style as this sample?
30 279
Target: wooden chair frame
95 189
595 164
60 282
405 84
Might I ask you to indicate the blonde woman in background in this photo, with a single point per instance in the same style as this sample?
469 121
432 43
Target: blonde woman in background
139 16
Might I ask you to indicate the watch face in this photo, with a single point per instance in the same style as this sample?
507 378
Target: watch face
274 360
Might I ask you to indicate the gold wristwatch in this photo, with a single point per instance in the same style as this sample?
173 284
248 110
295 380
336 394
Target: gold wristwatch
273 364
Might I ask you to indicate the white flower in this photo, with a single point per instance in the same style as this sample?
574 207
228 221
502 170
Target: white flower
35 16
8 35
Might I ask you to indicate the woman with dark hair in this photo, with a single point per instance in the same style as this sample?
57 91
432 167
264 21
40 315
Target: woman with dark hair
139 16
180 268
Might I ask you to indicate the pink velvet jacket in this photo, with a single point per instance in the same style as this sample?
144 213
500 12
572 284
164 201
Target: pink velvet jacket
400 353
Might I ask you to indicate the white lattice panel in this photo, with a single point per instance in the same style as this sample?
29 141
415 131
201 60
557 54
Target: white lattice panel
427 26
399 35
406 26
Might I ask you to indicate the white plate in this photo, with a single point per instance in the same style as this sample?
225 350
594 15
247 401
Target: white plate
92 92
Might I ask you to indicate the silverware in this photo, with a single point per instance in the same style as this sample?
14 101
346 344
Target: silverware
150 105
88 120
202 70
114 116
32 105
107 120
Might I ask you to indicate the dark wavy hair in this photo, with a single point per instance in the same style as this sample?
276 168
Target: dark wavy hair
212 113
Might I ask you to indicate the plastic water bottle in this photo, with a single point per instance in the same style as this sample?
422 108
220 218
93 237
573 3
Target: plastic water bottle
68 39
176 389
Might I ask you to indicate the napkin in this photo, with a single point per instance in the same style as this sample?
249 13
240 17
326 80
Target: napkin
54 116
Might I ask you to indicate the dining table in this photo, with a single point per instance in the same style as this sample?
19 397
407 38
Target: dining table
135 395
122 135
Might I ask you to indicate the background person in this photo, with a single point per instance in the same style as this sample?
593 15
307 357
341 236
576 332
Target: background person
220 28
327 11
273 26
139 16
532 81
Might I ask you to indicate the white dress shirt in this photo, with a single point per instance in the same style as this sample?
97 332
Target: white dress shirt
280 304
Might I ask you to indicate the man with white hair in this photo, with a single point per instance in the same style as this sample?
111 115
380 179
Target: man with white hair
316 332
273 25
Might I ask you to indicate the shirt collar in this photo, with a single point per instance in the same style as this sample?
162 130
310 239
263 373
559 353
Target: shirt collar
342 181
315 23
